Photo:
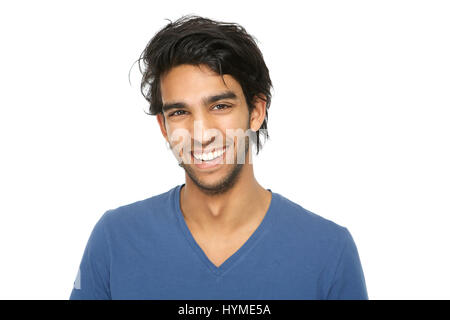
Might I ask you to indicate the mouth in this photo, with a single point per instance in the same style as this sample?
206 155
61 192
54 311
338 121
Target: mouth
209 159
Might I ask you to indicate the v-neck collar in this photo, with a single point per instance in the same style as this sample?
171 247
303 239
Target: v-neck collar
241 252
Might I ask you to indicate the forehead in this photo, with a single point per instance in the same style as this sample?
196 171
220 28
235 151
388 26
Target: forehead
191 83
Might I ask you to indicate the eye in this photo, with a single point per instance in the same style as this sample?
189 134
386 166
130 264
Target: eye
222 106
176 114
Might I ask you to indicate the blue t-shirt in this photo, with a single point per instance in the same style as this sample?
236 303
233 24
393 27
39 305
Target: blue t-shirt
145 250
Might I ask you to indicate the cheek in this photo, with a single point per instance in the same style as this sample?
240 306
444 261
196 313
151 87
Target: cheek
235 127
178 135
236 120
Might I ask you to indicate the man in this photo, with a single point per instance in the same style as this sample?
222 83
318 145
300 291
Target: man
220 235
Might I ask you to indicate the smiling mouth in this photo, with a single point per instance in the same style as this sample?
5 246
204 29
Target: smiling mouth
209 156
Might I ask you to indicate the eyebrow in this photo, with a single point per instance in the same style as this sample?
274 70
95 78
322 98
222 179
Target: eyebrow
206 100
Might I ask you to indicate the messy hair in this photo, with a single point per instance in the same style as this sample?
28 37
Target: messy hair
226 48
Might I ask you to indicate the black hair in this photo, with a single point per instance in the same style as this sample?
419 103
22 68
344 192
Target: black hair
226 48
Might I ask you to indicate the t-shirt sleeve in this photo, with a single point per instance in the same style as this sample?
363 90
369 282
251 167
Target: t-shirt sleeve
348 281
92 280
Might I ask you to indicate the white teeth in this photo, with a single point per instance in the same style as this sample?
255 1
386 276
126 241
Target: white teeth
210 155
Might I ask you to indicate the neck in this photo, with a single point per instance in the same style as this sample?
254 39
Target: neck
225 213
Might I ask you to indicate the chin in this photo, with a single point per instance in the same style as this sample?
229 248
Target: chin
214 183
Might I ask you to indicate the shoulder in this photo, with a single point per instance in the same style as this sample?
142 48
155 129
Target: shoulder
313 238
301 222
139 212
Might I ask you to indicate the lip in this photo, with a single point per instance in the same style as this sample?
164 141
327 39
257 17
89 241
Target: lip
209 164
210 150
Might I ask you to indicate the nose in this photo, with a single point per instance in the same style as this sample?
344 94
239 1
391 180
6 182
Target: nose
205 131
205 134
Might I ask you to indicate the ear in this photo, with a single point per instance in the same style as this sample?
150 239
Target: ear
162 125
258 113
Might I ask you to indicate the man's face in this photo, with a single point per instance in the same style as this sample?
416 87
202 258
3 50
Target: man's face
191 105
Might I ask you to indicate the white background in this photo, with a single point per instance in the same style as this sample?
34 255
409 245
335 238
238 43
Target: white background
362 88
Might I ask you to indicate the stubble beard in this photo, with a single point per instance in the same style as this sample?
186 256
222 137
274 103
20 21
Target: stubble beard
222 186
